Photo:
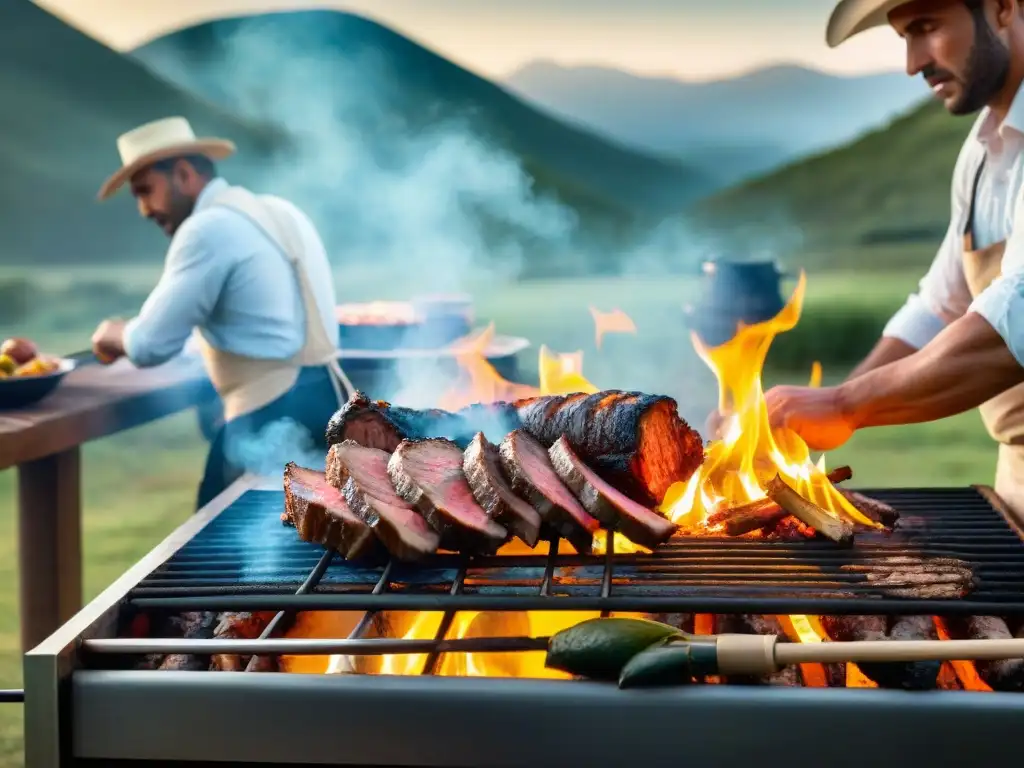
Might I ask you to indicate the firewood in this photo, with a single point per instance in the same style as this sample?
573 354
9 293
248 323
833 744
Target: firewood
761 513
807 512
873 509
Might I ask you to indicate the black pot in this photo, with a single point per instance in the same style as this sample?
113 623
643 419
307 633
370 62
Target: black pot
734 292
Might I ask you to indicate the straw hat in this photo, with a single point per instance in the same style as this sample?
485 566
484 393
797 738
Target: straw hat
160 140
850 17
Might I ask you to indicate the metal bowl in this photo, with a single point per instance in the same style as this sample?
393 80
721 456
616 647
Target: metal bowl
20 391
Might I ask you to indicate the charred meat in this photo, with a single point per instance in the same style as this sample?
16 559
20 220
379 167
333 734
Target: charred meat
636 442
372 498
528 466
428 475
610 507
321 515
481 464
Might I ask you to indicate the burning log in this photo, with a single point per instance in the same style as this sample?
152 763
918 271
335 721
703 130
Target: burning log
1002 674
912 676
636 442
194 625
807 512
761 513
876 510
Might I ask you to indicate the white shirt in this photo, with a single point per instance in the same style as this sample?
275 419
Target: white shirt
224 276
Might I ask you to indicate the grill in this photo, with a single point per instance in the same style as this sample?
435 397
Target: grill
81 709
220 570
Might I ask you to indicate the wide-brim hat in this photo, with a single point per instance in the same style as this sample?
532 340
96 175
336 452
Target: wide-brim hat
851 17
160 140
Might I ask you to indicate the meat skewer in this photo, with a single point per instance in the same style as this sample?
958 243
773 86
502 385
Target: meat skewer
607 505
636 442
428 475
492 490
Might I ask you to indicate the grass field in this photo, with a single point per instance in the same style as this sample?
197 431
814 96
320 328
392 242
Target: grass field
139 485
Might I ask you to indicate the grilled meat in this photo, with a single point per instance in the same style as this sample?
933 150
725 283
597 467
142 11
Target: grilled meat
529 468
911 676
428 475
636 442
1000 674
321 515
610 507
372 498
481 464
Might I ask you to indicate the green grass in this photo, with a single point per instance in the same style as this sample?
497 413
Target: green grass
140 485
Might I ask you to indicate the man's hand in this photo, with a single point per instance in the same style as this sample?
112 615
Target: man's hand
108 341
816 415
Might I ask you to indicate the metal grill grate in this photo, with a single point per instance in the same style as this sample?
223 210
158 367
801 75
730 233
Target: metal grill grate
246 560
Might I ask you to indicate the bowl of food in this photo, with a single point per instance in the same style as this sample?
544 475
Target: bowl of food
27 375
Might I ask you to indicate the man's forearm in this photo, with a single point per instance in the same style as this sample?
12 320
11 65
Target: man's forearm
965 365
887 350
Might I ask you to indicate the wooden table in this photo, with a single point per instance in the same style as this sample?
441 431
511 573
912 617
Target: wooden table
43 442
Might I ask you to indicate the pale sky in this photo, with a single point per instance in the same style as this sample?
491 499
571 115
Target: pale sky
678 38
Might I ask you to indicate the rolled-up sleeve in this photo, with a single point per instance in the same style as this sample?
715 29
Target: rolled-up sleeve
941 298
192 280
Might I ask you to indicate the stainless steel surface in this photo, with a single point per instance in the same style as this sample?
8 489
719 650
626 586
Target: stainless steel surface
48 666
418 722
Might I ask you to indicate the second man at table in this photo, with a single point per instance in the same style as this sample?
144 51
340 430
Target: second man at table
249 273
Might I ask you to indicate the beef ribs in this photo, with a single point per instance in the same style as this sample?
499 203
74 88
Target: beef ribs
610 507
371 496
528 466
481 464
636 442
321 515
428 475
911 675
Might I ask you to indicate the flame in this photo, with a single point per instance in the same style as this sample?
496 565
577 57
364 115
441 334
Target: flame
750 453
615 321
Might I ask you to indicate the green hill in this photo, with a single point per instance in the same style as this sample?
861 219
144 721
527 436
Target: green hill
66 98
310 67
888 190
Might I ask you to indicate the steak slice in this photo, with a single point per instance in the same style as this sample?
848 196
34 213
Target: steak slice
611 507
636 442
322 516
492 490
428 475
372 498
528 466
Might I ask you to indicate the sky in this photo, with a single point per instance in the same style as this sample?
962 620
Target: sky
687 39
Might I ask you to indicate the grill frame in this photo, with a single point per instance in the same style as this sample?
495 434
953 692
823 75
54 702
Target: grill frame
75 715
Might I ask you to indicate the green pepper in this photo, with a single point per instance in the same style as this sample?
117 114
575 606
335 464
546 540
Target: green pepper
601 648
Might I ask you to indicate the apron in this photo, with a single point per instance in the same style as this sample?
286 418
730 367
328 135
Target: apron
1003 415
246 384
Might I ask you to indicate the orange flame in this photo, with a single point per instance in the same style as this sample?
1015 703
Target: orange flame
615 321
750 453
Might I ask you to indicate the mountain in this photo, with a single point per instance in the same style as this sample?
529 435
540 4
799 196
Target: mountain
352 81
732 127
66 98
889 188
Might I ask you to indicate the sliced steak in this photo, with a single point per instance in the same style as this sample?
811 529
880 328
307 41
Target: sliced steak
372 498
611 507
528 466
322 516
493 491
428 474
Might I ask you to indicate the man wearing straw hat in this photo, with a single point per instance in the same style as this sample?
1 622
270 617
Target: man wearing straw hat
249 274
959 342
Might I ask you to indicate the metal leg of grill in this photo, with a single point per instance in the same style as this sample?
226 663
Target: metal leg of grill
50 543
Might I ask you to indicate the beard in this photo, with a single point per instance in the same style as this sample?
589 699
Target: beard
179 208
988 67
